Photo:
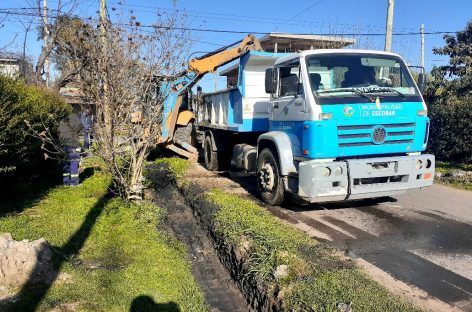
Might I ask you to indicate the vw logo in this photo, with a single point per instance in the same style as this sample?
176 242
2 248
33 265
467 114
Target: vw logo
379 135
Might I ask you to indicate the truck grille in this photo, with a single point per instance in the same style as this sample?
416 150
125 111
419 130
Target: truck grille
361 135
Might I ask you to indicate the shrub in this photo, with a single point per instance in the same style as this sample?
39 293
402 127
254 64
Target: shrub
22 107
451 126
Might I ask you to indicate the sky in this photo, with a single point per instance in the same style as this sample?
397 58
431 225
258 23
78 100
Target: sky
302 16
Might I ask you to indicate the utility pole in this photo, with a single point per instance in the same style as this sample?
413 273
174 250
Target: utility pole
103 16
422 46
46 39
389 26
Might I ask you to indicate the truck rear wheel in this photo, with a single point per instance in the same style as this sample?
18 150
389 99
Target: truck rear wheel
269 180
211 157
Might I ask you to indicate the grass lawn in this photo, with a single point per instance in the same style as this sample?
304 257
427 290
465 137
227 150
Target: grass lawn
110 254
446 168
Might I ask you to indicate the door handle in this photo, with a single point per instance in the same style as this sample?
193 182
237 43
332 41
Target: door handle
276 104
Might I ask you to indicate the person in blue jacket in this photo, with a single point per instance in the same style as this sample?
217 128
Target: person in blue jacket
70 130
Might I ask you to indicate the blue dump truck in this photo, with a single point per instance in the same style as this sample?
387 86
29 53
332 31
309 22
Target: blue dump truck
321 125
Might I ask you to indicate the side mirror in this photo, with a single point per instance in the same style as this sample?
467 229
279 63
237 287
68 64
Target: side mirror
421 81
270 81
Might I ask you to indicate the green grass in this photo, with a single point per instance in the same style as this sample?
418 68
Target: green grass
109 252
177 165
317 277
446 168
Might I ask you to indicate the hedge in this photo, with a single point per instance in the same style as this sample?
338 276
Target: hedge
21 105
451 128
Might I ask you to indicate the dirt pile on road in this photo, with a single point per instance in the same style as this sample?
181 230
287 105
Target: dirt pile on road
18 260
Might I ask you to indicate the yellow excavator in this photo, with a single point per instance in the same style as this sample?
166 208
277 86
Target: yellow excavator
178 118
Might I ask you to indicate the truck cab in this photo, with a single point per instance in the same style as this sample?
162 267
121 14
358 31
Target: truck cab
332 125
350 124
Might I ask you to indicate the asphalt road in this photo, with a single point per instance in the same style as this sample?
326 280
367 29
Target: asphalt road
417 244
423 239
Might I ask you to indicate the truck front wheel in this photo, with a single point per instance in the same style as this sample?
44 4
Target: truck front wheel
269 180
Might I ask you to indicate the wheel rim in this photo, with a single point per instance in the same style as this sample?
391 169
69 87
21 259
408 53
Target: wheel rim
267 177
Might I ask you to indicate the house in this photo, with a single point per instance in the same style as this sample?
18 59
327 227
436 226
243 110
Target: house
14 65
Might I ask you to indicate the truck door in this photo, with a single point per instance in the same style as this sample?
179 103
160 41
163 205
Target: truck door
288 106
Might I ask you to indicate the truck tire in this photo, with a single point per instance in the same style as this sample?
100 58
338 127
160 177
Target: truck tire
211 157
184 134
269 180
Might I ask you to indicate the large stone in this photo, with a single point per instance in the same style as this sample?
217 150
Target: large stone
22 261
458 173
281 271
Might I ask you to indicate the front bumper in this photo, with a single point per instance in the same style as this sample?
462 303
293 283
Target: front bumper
363 178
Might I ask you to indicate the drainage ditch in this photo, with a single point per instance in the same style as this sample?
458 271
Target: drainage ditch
221 293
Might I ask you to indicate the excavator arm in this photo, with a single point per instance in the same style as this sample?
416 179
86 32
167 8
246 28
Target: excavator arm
211 61
197 68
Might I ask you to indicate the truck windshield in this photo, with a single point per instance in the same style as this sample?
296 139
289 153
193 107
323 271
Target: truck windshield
365 76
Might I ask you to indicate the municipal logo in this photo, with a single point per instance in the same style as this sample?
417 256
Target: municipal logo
348 111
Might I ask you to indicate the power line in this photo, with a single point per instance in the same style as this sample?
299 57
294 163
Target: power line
250 19
301 12
228 31
255 19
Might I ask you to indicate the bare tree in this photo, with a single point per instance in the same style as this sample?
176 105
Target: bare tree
54 31
121 68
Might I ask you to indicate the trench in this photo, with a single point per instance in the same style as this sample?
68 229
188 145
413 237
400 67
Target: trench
220 291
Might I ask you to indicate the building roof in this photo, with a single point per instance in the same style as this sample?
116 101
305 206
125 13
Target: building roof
7 56
72 95
231 70
282 42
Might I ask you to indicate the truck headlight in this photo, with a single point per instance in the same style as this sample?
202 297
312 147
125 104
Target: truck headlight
326 172
337 171
419 164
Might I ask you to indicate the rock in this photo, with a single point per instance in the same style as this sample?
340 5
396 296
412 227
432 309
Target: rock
458 173
281 271
438 175
22 261
344 307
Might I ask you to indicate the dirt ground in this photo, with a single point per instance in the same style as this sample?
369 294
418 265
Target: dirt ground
418 245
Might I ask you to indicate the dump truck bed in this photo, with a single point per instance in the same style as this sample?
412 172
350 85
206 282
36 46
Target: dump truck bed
245 107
